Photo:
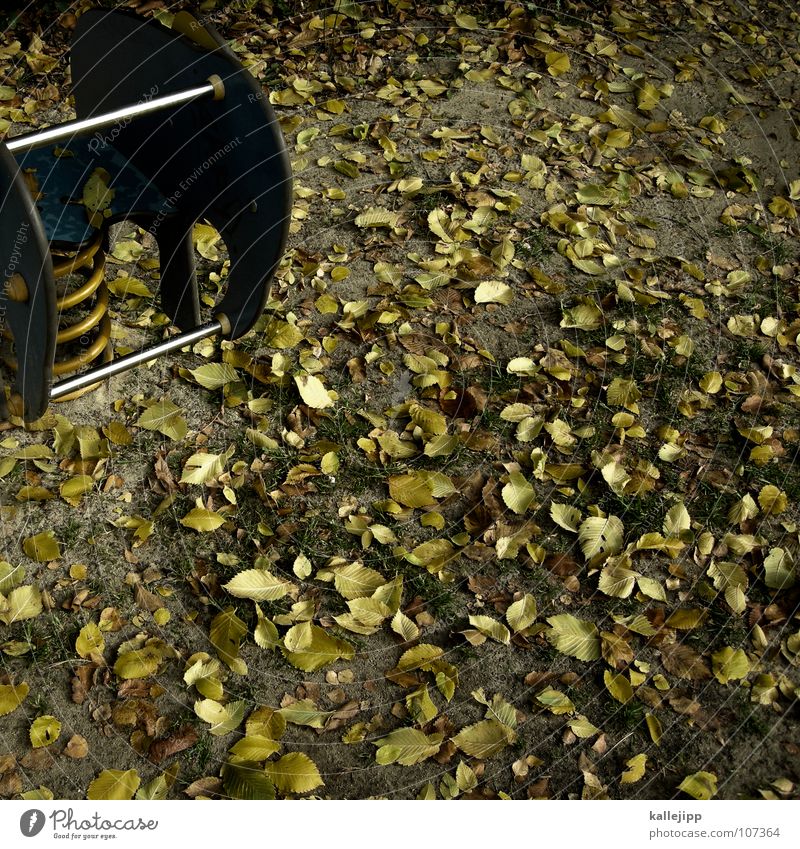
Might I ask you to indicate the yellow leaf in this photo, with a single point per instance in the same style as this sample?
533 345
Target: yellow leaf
404 626
700 785
163 416
493 292
204 675
90 640
651 588
654 727
429 420
376 216
636 767
369 611
21 603
406 746
356 580
647 96
282 334
618 139
114 784
561 434
420 706
730 664
227 631
97 196
10 576
127 250
302 567
466 779
202 468
72 490
732 580
222 718
677 520
772 500
329 464
246 780
205 239
491 628
313 392
305 712
581 727
484 739
557 63
599 538
446 678
128 287
438 223
623 393
434 554
409 185
565 516
779 571
202 520
575 637
522 613
619 686
294 773
469 22
43 731
253 748
615 476
318 650
157 788
411 490
258 585
266 722
265 633
139 663
685 619
42 793
711 382
555 701
11 697
617 581
42 547
422 656
782 208
518 494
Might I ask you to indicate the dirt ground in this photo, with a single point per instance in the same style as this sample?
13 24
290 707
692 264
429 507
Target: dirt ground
493 338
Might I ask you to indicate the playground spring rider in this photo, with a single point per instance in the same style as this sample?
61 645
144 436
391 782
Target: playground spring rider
181 132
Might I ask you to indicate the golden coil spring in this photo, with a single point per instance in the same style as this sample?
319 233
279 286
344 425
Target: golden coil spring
91 332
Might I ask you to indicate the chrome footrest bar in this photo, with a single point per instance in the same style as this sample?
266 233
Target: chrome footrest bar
137 358
70 129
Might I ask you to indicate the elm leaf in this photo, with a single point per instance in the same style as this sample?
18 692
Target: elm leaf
114 784
575 637
294 773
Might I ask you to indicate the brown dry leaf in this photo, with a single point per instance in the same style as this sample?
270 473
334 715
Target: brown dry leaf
147 600
77 747
184 738
685 662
